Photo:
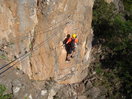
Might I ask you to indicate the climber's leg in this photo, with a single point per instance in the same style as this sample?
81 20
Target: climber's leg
68 57
73 53
69 52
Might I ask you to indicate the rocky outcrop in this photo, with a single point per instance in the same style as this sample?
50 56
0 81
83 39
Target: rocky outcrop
118 4
109 1
22 87
37 29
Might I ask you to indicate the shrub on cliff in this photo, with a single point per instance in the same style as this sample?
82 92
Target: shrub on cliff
128 9
2 93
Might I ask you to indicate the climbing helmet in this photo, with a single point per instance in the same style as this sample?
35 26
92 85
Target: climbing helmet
74 36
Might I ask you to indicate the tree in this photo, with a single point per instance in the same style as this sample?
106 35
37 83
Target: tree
114 33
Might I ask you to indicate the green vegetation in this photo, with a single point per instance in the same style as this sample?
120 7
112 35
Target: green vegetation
4 57
128 9
30 45
2 93
26 97
114 33
127 5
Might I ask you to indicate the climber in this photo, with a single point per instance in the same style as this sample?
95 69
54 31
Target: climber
70 45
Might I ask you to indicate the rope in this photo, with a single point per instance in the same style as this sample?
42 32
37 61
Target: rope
55 27
27 54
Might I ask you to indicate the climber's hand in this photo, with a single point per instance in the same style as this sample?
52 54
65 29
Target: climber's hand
75 45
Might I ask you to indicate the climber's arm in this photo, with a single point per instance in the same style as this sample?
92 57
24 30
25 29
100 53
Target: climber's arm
68 41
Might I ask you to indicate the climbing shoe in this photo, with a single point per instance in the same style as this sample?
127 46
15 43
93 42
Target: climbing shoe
67 59
72 56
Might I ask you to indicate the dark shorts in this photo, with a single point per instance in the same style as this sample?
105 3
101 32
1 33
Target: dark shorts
70 50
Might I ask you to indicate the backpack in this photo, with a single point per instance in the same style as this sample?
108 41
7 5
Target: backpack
72 43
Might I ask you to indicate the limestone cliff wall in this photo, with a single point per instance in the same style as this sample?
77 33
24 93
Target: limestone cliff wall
37 29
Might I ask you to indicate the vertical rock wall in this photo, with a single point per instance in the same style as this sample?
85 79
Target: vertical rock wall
18 19
39 27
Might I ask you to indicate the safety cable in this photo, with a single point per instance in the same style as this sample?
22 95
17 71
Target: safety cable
26 37
27 54
36 34
44 31
52 26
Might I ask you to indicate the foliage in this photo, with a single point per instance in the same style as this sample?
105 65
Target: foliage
113 32
3 57
128 5
2 91
128 8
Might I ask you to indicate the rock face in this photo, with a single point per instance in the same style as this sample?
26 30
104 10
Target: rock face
109 1
35 29
118 4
